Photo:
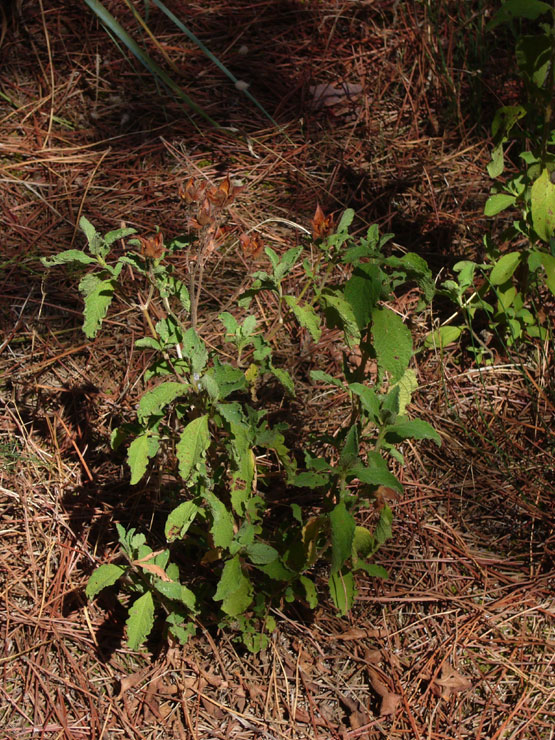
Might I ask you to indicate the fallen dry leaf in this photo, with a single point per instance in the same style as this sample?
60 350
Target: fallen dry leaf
451 682
325 95
390 700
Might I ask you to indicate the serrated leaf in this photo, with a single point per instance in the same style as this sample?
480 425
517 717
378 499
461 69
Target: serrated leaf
261 554
286 263
412 429
375 476
97 302
504 268
103 576
70 255
194 350
222 520
342 591
373 570
94 239
443 336
346 220
543 206
309 480
350 449
497 203
306 316
113 236
284 378
148 343
154 401
362 291
138 455
179 520
392 342
192 445
342 533
222 380
140 620
320 375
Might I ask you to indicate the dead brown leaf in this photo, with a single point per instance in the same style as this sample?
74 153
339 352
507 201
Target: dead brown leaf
451 682
390 700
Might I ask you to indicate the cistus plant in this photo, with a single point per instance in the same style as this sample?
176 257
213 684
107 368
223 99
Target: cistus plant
245 535
505 285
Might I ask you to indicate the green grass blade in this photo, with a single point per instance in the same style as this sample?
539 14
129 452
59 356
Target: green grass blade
112 24
212 58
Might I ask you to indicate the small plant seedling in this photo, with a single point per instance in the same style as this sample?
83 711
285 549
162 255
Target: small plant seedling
232 549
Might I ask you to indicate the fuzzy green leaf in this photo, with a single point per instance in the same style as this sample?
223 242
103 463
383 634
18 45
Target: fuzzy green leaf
543 206
176 592
261 554
363 543
368 400
512 9
154 401
412 429
140 451
375 476
94 239
392 342
342 533
194 350
222 520
192 445
70 255
548 262
234 588
286 263
98 295
342 314
383 529
179 520
103 576
362 290
306 316
342 591
140 620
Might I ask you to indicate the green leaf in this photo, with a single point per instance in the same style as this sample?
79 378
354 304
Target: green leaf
284 378
349 452
368 399
222 380
543 206
443 336
306 316
286 263
383 529
504 268
140 620
179 520
192 445
94 239
392 342
194 350
320 375
310 591
176 592
140 451
362 291
497 203
70 255
512 9
154 401
342 591
412 429
342 534
309 480
234 589
533 56
98 295
548 262
346 220
261 554
363 543
113 236
342 315
103 576
222 520
375 476
373 570
407 385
